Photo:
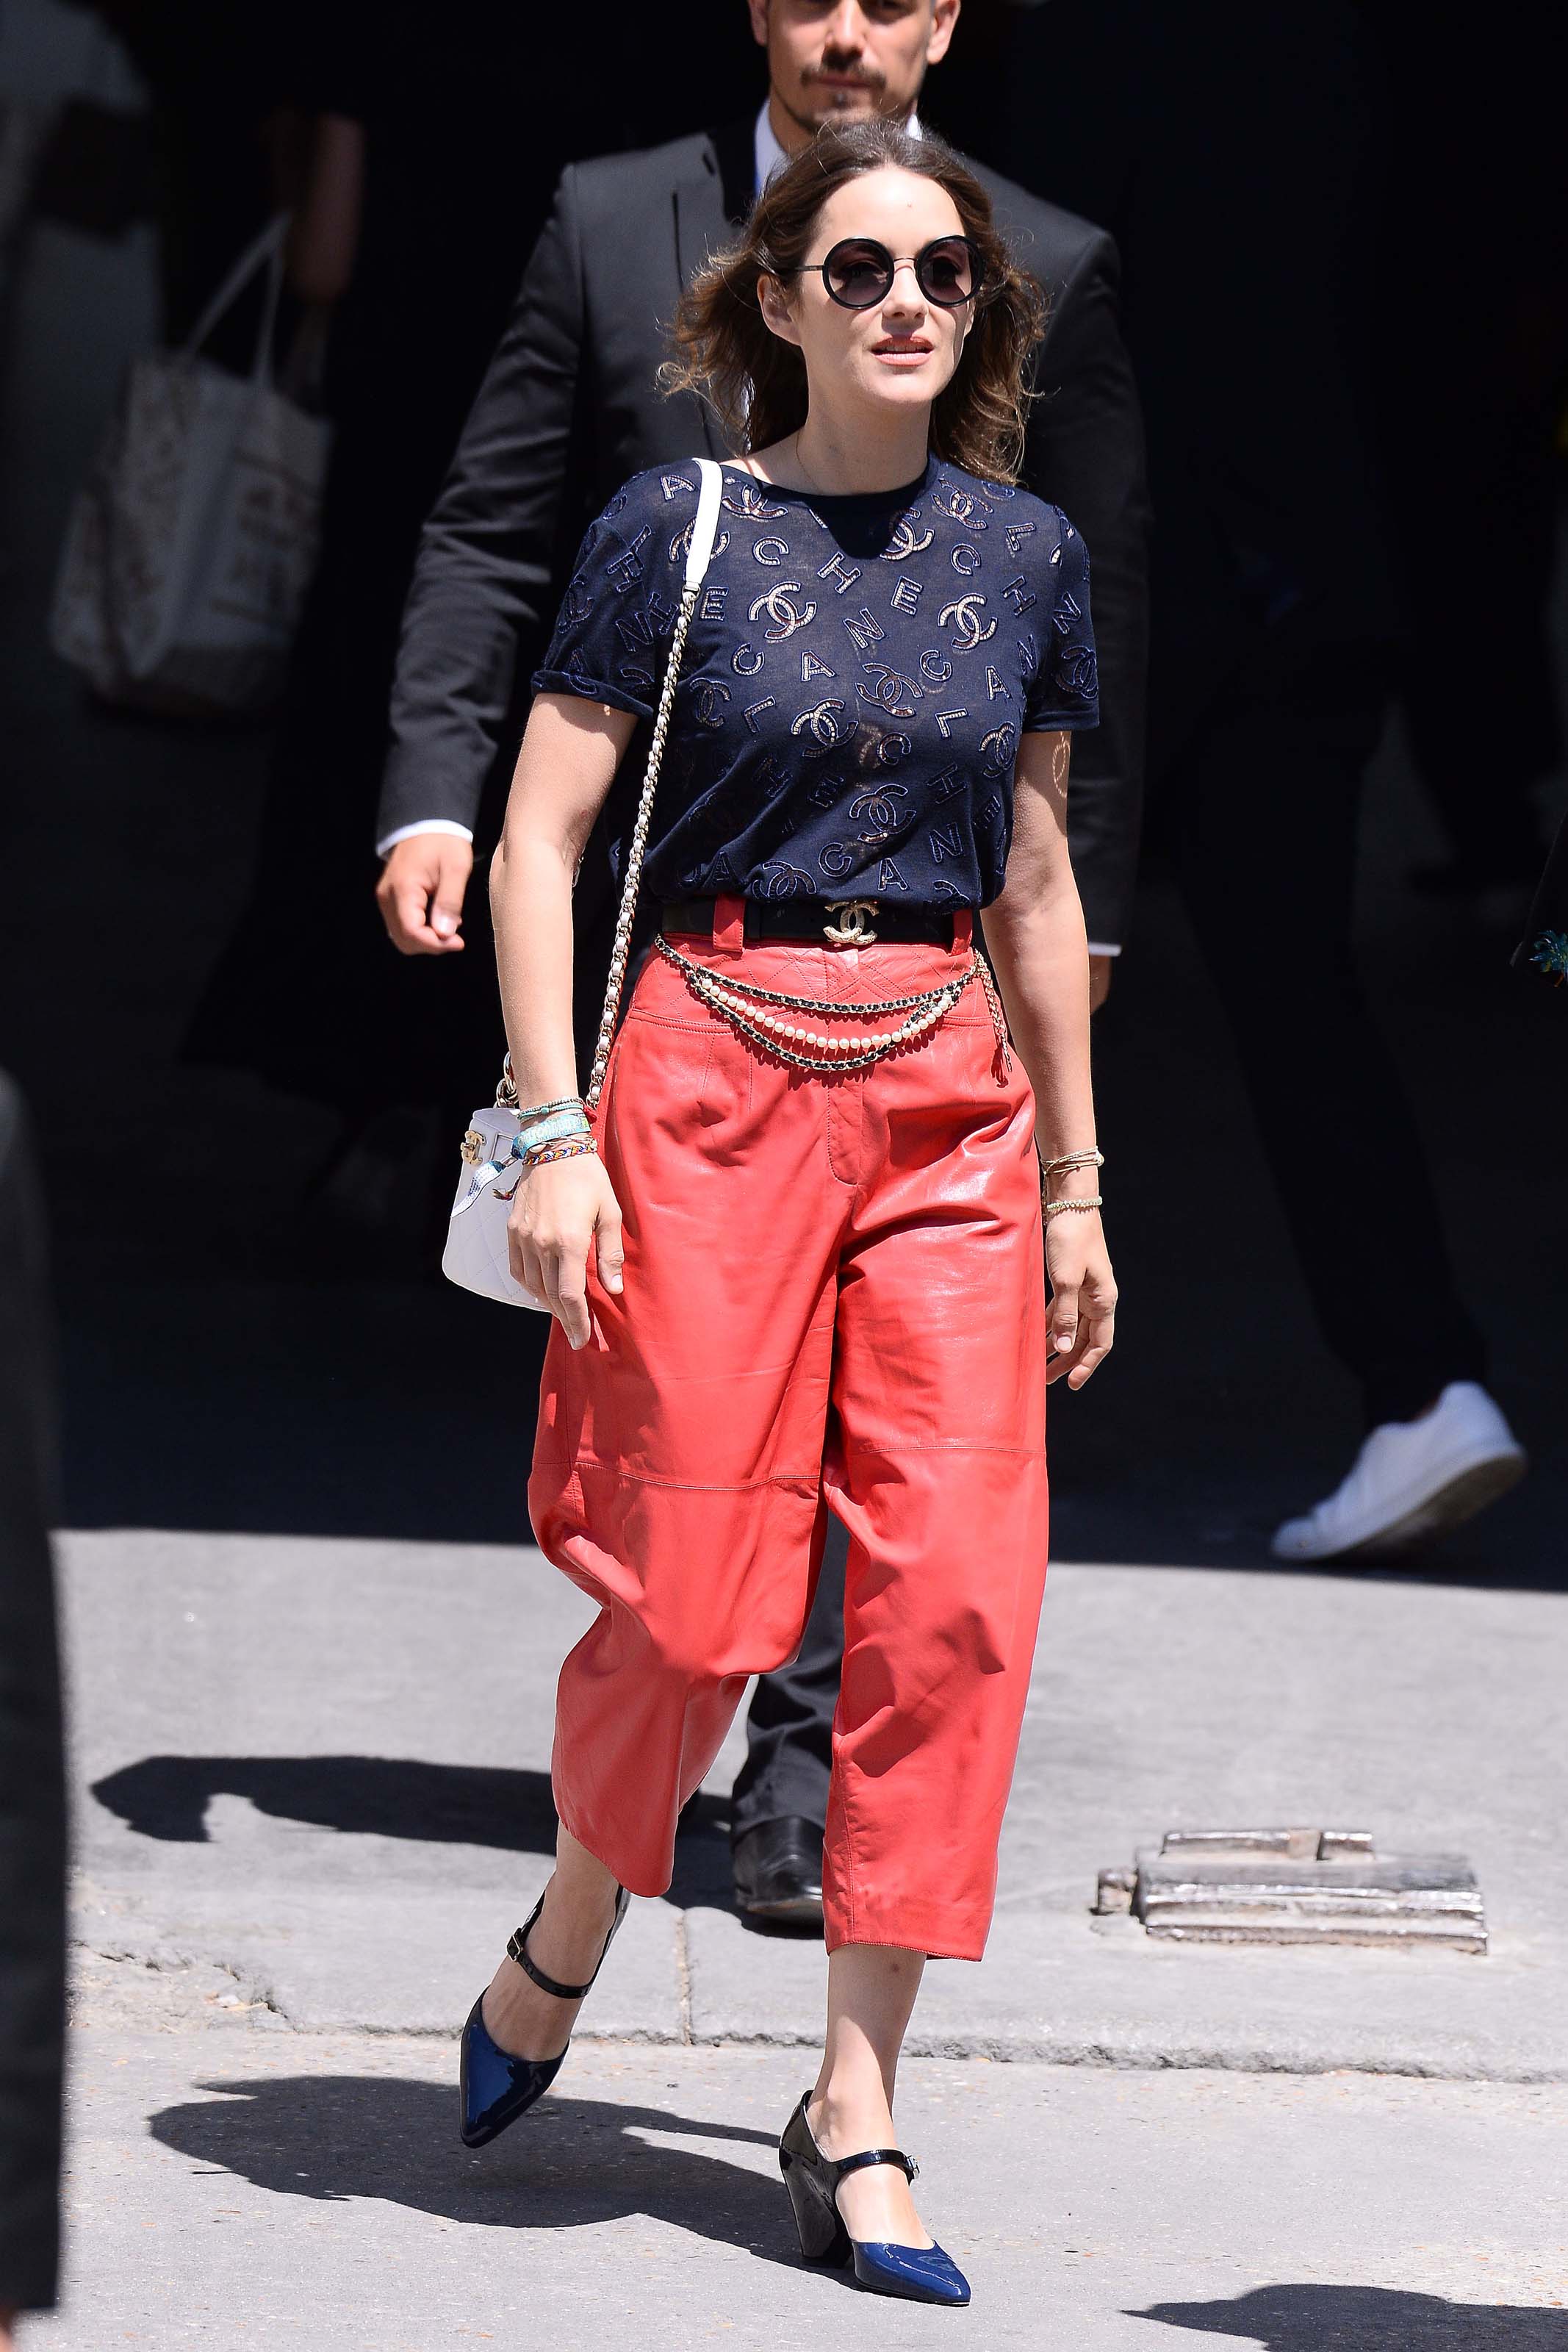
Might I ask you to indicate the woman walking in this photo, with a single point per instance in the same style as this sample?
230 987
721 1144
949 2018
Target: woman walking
794 1249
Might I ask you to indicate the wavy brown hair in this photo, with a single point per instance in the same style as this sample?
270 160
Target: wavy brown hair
755 383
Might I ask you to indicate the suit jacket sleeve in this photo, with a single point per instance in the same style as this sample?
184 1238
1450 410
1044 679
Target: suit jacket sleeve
32 1792
1086 454
490 548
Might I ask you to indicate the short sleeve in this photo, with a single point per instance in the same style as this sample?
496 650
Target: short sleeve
1065 689
619 606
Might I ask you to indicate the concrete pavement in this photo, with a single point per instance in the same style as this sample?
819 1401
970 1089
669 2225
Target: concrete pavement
234 2182
322 1766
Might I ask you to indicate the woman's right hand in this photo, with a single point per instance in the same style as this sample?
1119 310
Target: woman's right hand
560 1210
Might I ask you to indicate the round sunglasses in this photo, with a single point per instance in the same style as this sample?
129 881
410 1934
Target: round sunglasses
859 271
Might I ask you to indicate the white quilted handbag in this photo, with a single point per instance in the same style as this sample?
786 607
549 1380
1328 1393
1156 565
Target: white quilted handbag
476 1257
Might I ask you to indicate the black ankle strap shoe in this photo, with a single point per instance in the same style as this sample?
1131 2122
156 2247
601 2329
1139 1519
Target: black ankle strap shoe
918 2274
496 2088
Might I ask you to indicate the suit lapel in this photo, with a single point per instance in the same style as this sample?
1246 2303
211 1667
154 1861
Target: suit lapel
703 218
735 147
700 224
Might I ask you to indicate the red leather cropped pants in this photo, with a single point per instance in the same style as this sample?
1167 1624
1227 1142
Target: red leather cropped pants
834 1297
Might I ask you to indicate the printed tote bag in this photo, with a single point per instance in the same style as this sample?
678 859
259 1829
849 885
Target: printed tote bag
191 546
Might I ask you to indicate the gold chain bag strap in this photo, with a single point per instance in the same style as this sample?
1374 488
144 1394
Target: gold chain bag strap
475 1255
699 550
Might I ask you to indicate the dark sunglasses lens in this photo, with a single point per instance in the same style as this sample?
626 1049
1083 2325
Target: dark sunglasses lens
858 273
947 271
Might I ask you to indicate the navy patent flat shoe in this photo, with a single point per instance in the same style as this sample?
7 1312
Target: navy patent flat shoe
918 2274
497 2087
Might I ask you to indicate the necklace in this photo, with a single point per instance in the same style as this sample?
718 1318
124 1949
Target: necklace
812 481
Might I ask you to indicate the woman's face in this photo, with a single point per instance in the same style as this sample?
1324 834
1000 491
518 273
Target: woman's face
903 351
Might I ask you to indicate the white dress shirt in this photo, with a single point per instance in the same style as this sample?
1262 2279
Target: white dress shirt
769 157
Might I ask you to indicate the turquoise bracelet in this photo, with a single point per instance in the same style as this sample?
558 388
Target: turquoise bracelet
547 1130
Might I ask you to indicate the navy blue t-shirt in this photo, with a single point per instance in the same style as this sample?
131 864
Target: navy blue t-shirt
857 675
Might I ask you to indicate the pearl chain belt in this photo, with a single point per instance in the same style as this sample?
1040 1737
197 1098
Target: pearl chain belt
743 1003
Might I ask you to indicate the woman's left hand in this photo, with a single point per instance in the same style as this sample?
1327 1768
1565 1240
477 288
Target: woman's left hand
1082 1296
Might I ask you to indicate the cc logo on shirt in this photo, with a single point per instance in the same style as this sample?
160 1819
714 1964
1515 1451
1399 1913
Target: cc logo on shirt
895 694
681 544
964 613
879 806
904 542
997 751
785 616
824 726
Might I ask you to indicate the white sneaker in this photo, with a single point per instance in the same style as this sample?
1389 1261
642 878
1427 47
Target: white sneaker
1413 1480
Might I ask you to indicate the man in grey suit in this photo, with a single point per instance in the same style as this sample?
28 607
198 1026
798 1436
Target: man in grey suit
568 409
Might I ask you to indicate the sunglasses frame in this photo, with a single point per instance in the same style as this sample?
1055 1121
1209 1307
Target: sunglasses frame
893 261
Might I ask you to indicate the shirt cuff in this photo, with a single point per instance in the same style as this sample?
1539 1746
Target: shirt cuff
1100 947
389 841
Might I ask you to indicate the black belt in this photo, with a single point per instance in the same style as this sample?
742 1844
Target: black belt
843 921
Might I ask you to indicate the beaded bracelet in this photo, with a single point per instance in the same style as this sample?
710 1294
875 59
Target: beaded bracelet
1055 1208
543 1110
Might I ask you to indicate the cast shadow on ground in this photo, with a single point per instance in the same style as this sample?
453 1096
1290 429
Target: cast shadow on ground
1317 2317
389 1796
570 2164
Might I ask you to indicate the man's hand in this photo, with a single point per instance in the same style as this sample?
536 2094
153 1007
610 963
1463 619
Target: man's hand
1098 981
421 890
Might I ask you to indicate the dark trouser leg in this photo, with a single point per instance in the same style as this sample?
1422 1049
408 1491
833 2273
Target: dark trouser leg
1263 811
1484 429
789 1730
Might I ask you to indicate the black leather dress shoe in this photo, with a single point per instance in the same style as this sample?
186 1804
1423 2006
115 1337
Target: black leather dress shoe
779 1871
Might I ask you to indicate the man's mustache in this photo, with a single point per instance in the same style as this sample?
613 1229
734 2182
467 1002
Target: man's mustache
846 73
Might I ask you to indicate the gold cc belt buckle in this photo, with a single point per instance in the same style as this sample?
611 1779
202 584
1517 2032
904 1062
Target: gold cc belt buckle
852 929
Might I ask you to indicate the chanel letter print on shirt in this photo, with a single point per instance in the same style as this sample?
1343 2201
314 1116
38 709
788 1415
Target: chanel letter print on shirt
857 677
